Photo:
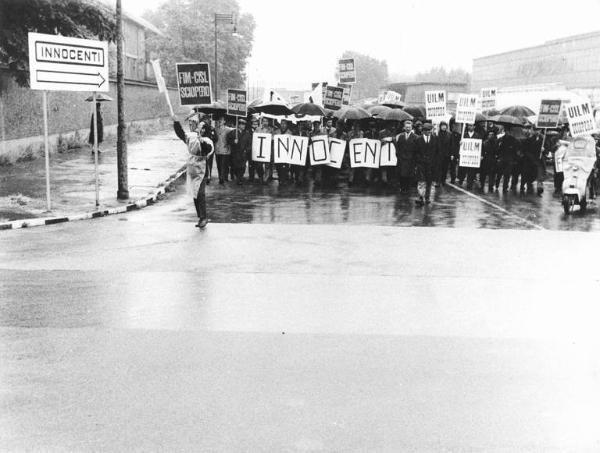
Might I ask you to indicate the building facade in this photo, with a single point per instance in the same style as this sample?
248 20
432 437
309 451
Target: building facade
572 62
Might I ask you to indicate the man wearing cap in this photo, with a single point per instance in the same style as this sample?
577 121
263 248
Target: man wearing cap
426 158
508 149
446 157
418 127
405 151
239 141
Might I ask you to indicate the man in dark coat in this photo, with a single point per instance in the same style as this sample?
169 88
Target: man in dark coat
240 142
469 172
489 156
405 151
426 159
508 149
532 150
446 156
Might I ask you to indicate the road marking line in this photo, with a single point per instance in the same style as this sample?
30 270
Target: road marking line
500 208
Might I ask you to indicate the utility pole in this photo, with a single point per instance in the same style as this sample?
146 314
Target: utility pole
123 187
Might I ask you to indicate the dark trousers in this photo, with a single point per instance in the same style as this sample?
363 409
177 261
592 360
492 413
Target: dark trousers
469 173
448 166
209 166
517 170
255 168
559 177
405 182
223 164
505 170
489 172
283 171
200 201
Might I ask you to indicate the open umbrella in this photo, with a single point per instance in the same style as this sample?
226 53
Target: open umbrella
378 111
351 113
508 120
395 105
273 108
416 111
99 98
308 108
520 111
491 112
397 115
216 107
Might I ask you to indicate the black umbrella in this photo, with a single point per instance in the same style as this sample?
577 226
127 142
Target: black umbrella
378 111
520 111
397 115
492 112
216 107
99 98
508 120
351 113
416 111
396 105
308 108
273 108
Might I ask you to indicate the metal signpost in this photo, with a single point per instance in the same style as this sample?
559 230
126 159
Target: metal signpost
59 63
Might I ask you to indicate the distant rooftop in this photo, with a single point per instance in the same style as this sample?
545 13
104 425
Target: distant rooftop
593 34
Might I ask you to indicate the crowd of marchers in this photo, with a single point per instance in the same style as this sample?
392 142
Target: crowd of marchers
513 158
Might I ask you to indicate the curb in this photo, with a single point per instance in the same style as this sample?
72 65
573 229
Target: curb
133 206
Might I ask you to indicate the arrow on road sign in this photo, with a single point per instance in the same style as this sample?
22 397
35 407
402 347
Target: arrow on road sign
76 78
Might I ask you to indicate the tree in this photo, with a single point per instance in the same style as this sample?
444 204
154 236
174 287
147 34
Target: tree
441 75
74 18
189 29
371 74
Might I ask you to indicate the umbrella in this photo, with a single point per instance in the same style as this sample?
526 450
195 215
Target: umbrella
308 108
506 119
396 105
416 111
378 110
397 115
273 108
99 98
492 112
520 111
214 107
351 113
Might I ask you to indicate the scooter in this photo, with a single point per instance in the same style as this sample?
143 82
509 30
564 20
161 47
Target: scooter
577 162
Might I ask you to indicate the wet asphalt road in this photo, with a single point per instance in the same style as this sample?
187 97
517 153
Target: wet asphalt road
290 324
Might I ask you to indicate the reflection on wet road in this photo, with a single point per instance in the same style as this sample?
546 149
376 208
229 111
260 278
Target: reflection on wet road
255 203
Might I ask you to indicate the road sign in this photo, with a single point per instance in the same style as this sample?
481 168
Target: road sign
347 70
193 83
59 63
236 102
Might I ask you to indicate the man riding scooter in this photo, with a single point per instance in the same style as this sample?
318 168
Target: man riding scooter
578 163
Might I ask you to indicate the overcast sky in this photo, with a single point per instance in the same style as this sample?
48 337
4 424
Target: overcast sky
299 42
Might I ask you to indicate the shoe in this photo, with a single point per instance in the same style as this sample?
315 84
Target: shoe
208 181
202 223
419 201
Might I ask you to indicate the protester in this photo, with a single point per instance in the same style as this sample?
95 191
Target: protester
283 170
446 157
508 149
532 150
418 127
99 126
559 175
253 166
222 150
200 147
355 132
469 172
405 151
389 135
267 169
489 156
212 134
239 141
426 160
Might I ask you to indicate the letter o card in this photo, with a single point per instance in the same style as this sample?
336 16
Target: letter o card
319 150
261 147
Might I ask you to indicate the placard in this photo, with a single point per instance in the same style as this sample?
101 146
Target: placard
333 97
388 156
237 102
581 119
364 152
470 152
435 105
488 98
390 98
193 83
298 150
466 108
347 93
319 150
337 148
281 148
347 70
261 147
